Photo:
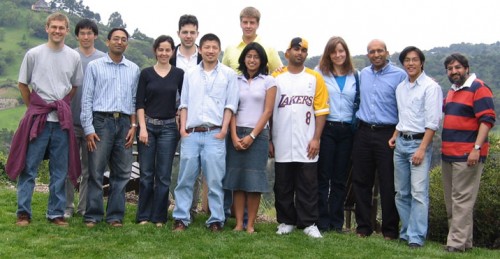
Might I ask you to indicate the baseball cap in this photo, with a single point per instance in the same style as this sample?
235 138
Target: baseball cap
298 41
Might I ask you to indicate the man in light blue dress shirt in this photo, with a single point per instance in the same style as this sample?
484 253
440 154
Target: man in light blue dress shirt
378 116
208 100
109 123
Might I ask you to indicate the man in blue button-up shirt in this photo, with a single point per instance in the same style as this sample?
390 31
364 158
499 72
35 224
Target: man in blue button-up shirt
378 115
208 100
108 120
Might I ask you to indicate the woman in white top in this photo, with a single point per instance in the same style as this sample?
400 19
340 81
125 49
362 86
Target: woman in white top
247 150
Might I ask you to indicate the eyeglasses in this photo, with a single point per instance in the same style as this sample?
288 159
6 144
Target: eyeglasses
408 60
373 51
89 33
117 39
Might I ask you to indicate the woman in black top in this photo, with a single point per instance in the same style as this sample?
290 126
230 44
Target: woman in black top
156 102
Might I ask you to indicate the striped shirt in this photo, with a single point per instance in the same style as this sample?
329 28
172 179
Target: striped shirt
465 108
108 87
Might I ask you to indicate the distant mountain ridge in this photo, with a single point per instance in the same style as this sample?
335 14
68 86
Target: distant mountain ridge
21 28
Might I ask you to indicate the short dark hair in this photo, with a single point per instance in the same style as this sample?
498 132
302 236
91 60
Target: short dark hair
86 24
409 49
211 37
161 39
262 55
458 57
117 29
188 19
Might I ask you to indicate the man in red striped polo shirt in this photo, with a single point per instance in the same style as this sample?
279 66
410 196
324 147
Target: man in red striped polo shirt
468 117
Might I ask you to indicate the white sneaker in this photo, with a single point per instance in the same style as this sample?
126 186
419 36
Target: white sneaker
313 231
68 214
284 229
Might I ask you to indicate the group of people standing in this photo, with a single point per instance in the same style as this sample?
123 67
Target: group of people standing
230 116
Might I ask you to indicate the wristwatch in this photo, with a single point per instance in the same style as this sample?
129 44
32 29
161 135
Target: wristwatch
477 147
133 125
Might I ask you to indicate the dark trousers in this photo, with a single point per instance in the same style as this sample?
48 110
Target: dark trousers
371 154
333 169
296 193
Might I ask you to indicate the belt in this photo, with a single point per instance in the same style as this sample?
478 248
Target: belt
202 129
338 123
376 126
115 115
159 122
412 136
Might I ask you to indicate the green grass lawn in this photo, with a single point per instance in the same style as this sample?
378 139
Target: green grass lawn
10 117
41 239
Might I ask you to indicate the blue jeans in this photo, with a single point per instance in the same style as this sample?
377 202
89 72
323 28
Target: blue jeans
155 161
82 190
333 169
411 183
53 140
111 149
201 148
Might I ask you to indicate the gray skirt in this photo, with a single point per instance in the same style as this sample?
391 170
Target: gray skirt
247 170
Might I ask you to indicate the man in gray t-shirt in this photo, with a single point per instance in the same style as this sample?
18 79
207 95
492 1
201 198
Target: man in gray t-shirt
53 71
86 32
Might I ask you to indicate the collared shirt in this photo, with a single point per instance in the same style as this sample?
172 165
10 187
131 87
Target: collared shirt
378 94
467 82
206 95
108 87
341 101
76 102
419 105
232 54
252 99
184 62
465 108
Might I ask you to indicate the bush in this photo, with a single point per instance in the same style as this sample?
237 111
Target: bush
486 210
43 171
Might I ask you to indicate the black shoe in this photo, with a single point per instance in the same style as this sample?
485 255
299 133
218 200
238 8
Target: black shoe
452 249
414 246
215 227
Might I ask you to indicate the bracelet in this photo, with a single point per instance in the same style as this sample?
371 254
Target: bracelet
252 136
133 125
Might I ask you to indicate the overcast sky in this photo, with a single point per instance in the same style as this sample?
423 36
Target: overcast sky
400 23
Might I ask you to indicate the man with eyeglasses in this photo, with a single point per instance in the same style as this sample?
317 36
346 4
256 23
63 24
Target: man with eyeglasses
469 114
419 100
86 32
378 116
109 123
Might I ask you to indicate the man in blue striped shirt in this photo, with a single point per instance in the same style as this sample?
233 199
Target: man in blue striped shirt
109 123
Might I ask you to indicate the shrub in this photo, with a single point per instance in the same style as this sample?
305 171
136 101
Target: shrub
486 210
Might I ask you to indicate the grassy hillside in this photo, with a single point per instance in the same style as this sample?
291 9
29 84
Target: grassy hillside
10 117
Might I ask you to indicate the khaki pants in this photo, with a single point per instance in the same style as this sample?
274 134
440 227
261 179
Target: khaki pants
461 185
